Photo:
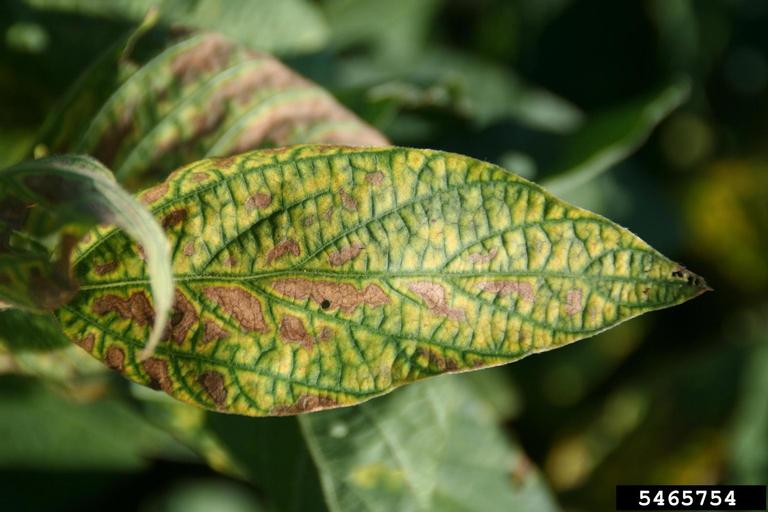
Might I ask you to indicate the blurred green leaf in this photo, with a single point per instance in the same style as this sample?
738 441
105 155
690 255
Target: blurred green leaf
396 30
268 452
481 91
431 446
610 137
27 331
205 495
270 25
41 429
59 197
749 450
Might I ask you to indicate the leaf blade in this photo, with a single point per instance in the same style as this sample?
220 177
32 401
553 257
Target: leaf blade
311 277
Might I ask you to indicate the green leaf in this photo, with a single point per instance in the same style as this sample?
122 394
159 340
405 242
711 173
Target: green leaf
311 277
26 331
482 91
267 452
59 196
200 95
42 429
270 25
612 136
433 446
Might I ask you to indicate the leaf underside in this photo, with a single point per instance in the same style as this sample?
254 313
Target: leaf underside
312 277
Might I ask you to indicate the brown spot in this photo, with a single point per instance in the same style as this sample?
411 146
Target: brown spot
483 258
197 177
213 384
183 318
115 358
258 200
339 258
239 303
87 342
347 201
213 332
328 214
292 329
288 245
309 220
159 378
375 178
86 238
136 307
326 333
189 248
436 361
230 261
226 161
343 296
140 252
174 218
524 290
154 193
105 268
305 403
435 298
573 301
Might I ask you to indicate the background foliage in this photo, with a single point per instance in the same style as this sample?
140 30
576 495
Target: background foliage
561 91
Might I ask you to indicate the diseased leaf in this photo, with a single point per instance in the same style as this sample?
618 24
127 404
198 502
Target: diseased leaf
612 136
199 95
432 446
311 277
58 197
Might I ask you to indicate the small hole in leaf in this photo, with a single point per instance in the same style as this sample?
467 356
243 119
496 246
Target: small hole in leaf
325 304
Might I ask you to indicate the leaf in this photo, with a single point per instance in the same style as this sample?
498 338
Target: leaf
41 429
748 453
313 276
270 453
200 95
270 25
481 91
433 446
609 138
46 197
25 331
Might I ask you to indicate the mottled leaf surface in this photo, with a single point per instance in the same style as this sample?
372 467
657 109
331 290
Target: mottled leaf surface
432 446
315 276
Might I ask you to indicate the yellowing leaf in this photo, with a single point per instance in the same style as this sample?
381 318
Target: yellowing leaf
312 277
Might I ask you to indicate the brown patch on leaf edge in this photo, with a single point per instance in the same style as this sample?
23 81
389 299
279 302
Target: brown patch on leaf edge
213 384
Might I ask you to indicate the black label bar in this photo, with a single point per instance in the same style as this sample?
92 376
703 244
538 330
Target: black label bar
691 497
